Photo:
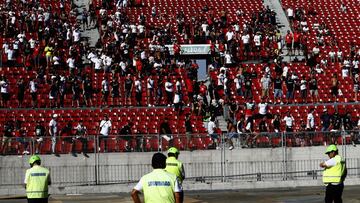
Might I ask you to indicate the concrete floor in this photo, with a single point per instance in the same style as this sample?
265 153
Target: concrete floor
291 195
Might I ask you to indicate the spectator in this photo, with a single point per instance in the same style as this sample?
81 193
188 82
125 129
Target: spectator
310 124
290 89
356 83
278 83
53 132
53 92
325 120
67 136
289 122
39 135
263 109
138 91
334 87
21 91
169 89
231 129
289 41
150 91
115 91
75 89
128 89
188 130
165 132
87 91
81 135
265 85
211 128
5 91
178 103
239 80
105 90
7 136
104 129
126 134
33 86
248 87
303 89
276 123
313 87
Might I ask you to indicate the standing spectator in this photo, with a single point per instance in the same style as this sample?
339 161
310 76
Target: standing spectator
325 120
81 135
67 136
239 80
128 89
290 89
335 87
104 129
87 90
53 93
289 40
105 90
75 89
211 131
289 122
21 91
33 86
278 83
126 134
84 18
248 87
150 91
310 122
169 89
178 103
165 131
53 132
115 91
356 82
138 90
263 109
313 87
265 85
276 123
39 135
188 130
5 93
349 127
303 89
7 136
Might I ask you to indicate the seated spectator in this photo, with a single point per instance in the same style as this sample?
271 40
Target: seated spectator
67 134
81 135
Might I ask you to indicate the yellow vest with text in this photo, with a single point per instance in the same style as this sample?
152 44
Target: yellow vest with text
37 182
158 187
334 173
174 166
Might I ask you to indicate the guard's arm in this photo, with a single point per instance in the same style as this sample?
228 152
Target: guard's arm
177 197
135 196
182 172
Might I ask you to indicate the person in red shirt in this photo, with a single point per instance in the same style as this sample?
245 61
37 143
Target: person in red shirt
203 91
297 39
288 40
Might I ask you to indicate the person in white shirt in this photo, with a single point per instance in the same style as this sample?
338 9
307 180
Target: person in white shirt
303 89
265 85
239 80
178 101
332 55
246 42
229 35
290 14
4 89
211 127
33 91
228 58
310 124
105 90
76 35
138 91
104 128
169 89
53 132
289 122
257 41
150 90
71 64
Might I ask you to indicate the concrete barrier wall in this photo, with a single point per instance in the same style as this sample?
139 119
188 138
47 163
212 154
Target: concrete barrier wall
266 164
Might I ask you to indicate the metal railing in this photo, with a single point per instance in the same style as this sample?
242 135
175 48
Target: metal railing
96 171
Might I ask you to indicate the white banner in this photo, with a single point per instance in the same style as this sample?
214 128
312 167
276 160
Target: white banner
191 49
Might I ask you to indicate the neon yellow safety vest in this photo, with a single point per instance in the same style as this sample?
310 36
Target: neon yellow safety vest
174 166
334 173
158 187
37 179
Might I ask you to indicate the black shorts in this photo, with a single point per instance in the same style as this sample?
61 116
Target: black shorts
5 96
296 45
38 200
334 91
289 45
34 96
75 97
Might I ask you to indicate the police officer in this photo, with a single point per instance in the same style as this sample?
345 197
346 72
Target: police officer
37 179
174 166
334 175
158 186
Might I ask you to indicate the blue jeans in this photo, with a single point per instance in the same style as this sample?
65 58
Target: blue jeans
278 93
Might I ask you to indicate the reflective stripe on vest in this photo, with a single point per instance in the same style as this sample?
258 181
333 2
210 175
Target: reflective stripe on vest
158 186
174 166
334 173
37 182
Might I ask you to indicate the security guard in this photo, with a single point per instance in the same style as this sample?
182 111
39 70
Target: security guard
175 167
334 175
37 179
158 186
